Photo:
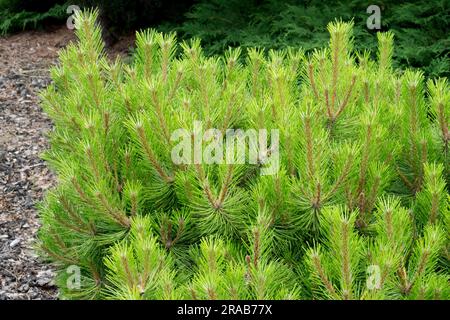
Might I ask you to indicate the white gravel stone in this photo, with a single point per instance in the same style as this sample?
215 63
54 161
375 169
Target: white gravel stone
14 243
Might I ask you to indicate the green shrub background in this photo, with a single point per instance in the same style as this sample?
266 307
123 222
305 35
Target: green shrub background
17 15
420 26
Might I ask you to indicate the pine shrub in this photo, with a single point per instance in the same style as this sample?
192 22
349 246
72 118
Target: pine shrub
359 208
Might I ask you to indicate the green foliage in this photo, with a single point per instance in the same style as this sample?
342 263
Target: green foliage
359 208
420 27
18 15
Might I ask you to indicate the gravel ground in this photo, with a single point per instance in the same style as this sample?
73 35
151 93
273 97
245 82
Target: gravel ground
24 177
25 59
